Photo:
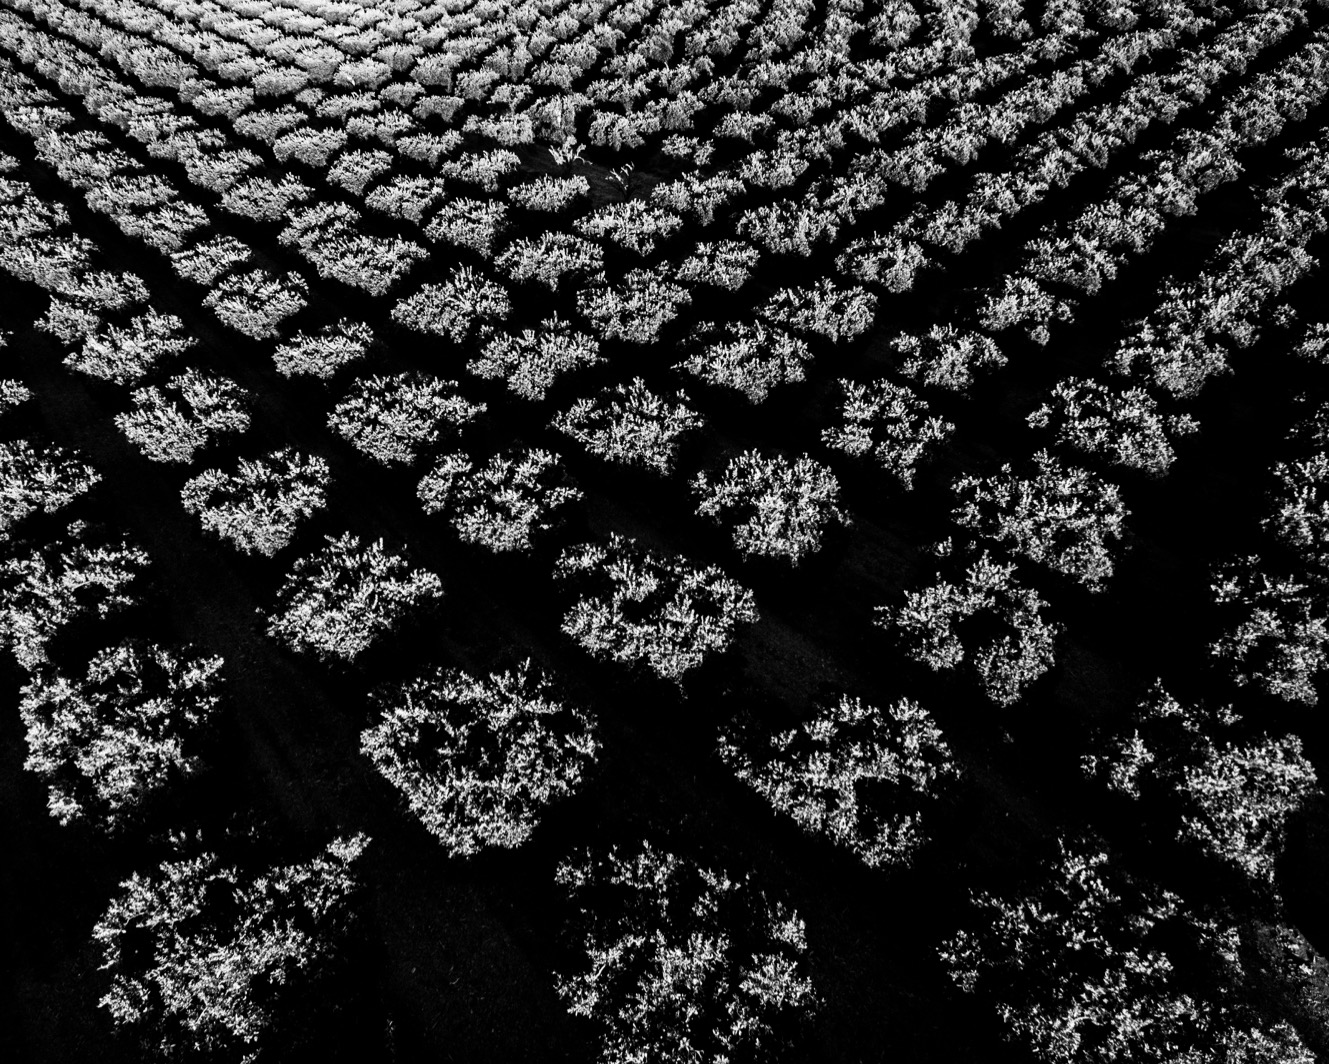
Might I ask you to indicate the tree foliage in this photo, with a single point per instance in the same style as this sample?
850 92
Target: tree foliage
1122 426
631 425
124 356
38 480
394 418
1060 516
634 311
323 353
641 605
681 963
859 775
182 417
479 759
339 601
775 508
260 505
503 504
201 953
1082 967
1009 647
1300 517
1230 794
532 361
750 357
889 424
455 308
1277 638
947 357
58 582
106 743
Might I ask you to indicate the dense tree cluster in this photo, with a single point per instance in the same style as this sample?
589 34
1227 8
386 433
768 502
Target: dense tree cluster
260 506
479 759
106 743
339 601
682 963
854 773
1009 647
877 141
201 953
776 508
504 504
640 605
